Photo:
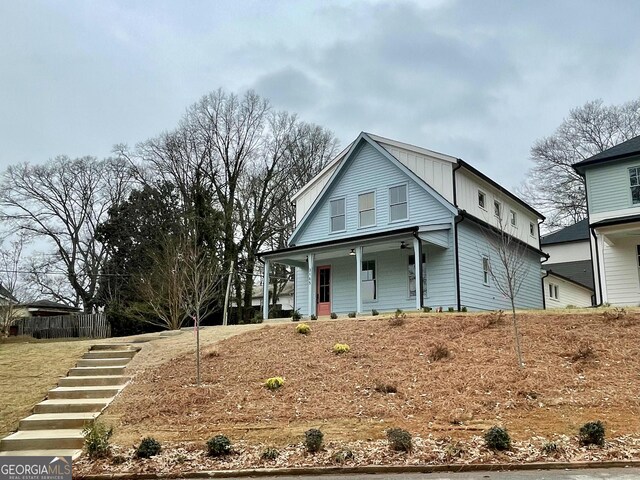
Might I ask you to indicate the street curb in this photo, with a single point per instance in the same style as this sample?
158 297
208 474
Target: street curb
372 469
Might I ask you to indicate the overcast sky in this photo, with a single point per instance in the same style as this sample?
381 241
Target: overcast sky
480 80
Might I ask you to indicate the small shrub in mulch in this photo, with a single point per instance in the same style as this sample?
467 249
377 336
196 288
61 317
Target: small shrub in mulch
592 433
313 439
351 314
497 438
218 446
494 319
334 315
296 316
303 328
439 352
399 440
551 449
313 317
375 313
340 348
269 454
149 447
399 318
96 440
584 353
382 387
274 383
342 456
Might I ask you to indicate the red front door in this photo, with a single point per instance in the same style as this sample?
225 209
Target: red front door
323 291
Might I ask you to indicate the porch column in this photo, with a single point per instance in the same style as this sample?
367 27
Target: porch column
603 272
312 283
265 290
417 266
358 279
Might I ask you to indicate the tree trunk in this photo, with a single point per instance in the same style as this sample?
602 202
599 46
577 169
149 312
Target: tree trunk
248 285
517 334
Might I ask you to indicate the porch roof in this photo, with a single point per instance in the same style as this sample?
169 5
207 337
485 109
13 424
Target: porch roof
609 222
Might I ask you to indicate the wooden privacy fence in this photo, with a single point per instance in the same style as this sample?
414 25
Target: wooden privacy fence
92 325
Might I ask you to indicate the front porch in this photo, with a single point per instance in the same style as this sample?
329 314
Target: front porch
617 261
360 275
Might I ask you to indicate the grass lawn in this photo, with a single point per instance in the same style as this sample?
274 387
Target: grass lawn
579 367
28 371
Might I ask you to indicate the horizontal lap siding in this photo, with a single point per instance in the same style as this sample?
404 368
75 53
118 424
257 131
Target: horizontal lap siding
301 290
622 280
441 276
370 171
608 187
568 294
477 296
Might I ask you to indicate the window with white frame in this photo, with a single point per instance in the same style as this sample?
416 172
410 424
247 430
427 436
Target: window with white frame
554 291
412 275
497 208
368 280
338 216
367 209
482 200
485 270
398 203
513 218
532 230
634 183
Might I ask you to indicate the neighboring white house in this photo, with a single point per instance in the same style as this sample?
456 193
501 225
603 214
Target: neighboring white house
568 278
285 298
612 181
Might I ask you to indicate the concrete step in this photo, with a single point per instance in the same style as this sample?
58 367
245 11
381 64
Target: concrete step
84 392
73 453
95 371
114 346
46 421
43 439
93 381
110 354
103 362
72 405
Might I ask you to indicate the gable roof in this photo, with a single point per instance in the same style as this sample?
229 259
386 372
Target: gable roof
573 233
625 149
580 272
365 138
6 294
48 304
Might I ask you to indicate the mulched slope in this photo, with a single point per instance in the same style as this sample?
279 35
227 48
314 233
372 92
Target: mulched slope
478 386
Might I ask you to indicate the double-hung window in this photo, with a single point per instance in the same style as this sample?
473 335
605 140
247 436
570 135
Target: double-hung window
497 209
482 200
338 216
367 209
513 218
554 291
398 203
368 279
634 183
532 230
486 267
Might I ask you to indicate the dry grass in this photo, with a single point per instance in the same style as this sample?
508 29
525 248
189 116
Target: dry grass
28 371
478 386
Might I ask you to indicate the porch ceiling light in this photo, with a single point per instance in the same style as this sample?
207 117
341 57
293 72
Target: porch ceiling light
403 245
352 252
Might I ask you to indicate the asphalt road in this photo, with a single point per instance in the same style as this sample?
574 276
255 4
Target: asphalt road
585 474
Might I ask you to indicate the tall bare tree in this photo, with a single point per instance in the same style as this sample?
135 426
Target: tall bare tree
13 289
552 185
63 202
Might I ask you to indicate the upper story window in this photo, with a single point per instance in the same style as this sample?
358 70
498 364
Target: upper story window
634 183
482 200
513 218
367 209
497 208
532 230
398 203
338 216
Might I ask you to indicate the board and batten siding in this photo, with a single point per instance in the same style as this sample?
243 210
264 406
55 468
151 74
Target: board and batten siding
568 293
392 279
608 189
472 245
621 272
438 174
467 187
306 199
369 171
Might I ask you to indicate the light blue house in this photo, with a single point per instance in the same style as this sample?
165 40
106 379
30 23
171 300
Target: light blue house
382 205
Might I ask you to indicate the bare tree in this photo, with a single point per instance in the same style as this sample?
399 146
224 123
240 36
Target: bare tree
507 268
552 184
63 201
12 289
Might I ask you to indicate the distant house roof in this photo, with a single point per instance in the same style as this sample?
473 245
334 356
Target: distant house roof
48 304
6 294
625 149
573 233
580 272
286 290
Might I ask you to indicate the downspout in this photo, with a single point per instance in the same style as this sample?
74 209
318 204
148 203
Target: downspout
595 241
417 262
455 234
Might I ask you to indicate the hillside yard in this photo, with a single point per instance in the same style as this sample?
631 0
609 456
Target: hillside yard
579 367
28 371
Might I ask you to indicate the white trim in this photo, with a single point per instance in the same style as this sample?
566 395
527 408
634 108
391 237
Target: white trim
359 279
413 148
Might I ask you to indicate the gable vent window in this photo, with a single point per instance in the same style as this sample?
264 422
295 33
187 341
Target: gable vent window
367 209
634 181
338 217
398 203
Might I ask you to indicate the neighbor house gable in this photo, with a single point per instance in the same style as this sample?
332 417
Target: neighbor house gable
369 168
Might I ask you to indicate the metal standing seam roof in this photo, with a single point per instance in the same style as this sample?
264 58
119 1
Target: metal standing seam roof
573 233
